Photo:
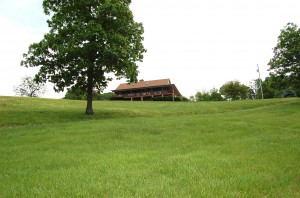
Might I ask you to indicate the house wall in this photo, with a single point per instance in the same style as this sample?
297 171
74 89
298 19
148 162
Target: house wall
144 93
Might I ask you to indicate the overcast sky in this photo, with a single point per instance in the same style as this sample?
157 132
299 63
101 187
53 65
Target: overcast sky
198 44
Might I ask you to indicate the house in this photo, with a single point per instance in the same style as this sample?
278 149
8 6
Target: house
146 90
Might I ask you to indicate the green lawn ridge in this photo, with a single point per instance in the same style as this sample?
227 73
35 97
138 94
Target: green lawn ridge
50 148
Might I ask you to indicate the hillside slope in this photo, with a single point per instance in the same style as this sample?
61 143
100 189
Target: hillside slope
149 149
22 111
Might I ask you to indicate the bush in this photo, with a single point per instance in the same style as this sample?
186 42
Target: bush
289 93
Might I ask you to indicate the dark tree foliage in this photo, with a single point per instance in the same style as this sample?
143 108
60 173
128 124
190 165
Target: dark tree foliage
286 60
103 96
184 99
75 94
88 39
275 87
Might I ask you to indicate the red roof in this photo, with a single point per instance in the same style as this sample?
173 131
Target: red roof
144 84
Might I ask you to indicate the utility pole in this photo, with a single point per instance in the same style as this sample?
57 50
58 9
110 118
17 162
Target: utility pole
260 81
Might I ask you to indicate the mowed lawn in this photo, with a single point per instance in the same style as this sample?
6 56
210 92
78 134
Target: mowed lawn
49 148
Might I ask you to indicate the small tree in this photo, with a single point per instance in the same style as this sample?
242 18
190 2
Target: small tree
234 90
212 95
203 96
215 95
30 88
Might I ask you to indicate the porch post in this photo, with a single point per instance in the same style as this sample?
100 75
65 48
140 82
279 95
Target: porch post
173 95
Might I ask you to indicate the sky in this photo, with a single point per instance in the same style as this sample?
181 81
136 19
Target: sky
197 44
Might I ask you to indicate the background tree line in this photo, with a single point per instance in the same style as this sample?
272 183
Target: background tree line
232 90
283 79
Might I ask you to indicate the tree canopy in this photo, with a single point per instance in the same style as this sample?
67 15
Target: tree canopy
234 90
87 40
212 95
273 87
286 60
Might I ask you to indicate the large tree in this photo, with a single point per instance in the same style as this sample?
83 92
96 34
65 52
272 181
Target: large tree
87 40
286 60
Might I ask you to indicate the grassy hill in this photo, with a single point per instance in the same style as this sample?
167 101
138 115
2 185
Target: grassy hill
149 149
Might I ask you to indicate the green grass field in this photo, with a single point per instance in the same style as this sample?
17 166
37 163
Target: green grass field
50 148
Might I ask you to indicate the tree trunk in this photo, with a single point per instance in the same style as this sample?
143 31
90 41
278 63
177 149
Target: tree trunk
89 106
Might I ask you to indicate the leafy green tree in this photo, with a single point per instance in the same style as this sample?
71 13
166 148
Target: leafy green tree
276 87
203 96
286 60
30 88
75 93
87 41
215 95
212 95
234 90
267 86
103 96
